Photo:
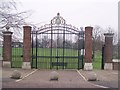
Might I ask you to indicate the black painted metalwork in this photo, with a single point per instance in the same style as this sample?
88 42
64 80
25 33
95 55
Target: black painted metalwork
57 46
102 64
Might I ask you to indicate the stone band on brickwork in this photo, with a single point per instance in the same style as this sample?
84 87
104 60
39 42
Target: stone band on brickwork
26 65
6 64
88 66
108 66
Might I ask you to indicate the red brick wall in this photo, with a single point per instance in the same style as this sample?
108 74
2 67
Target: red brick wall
108 49
88 44
7 49
27 44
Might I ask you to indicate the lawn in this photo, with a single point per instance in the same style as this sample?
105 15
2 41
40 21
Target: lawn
97 60
0 51
45 58
44 62
17 57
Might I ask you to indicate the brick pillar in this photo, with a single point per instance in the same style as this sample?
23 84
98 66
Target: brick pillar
108 51
88 48
7 48
26 47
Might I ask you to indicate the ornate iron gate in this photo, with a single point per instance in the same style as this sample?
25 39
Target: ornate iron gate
57 46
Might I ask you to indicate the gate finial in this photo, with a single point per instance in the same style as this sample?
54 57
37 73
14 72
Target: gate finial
58 14
58 20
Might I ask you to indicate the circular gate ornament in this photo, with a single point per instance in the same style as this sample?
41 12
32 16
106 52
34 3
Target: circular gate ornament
58 20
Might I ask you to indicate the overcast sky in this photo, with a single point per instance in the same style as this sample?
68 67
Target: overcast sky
79 13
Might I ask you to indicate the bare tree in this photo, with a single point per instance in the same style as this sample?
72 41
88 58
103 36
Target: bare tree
97 38
97 32
10 17
115 37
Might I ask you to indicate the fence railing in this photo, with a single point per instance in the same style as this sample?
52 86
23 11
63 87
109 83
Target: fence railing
17 55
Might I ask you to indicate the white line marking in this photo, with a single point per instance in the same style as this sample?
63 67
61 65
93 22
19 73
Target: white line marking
98 85
26 75
90 82
81 75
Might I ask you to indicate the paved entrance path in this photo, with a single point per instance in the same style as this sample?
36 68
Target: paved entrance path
40 79
107 78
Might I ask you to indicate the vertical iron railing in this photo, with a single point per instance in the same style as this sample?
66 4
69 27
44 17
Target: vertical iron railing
36 49
83 51
32 51
78 50
83 54
63 44
102 64
57 45
51 45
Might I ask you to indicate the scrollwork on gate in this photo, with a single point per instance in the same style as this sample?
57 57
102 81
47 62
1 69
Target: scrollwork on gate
58 20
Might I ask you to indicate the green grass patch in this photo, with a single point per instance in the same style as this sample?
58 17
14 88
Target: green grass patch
17 58
97 60
72 63
47 52
45 62
0 51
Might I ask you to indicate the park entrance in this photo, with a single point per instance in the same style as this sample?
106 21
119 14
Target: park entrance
57 46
